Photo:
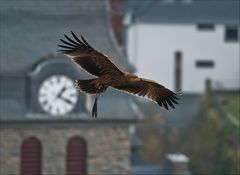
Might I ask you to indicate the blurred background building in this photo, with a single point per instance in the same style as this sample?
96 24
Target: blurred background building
192 46
179 43
183 43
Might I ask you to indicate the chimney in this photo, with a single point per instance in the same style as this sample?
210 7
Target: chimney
177 164
208 85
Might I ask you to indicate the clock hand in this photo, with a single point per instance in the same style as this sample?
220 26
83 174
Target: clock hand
66 100
59 94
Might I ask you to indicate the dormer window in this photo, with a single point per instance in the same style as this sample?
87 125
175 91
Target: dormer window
231 34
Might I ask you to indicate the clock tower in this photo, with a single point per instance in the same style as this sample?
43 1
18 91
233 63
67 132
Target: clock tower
42 115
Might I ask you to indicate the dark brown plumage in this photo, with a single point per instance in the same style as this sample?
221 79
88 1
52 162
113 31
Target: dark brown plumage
107 74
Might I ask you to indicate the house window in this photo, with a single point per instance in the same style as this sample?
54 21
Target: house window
205 26
31 152
204 64
231 34
76 156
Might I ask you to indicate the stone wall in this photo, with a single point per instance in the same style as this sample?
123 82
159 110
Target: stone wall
108 148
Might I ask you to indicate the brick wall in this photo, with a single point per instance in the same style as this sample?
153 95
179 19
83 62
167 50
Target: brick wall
108 148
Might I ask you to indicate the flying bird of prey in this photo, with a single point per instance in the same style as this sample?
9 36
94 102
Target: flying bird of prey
109 75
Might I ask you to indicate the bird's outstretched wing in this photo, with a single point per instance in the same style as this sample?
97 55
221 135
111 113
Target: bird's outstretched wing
151 91
89 59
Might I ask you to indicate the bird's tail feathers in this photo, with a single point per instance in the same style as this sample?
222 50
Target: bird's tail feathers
89 86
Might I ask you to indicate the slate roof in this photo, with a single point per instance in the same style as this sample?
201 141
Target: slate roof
30 31
184 11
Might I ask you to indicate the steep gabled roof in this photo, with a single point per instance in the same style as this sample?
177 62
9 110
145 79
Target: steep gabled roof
31 30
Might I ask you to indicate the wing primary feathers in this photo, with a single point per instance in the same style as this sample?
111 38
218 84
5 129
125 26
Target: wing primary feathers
67 47
67 43
85 42
172 99
69 39
178 93
71 44
170 103
76 38
165 104
159 102
175 97
64 51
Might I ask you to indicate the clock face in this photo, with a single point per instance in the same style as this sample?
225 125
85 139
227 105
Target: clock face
57 95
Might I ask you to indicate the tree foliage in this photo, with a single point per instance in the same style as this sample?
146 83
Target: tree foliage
211 142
